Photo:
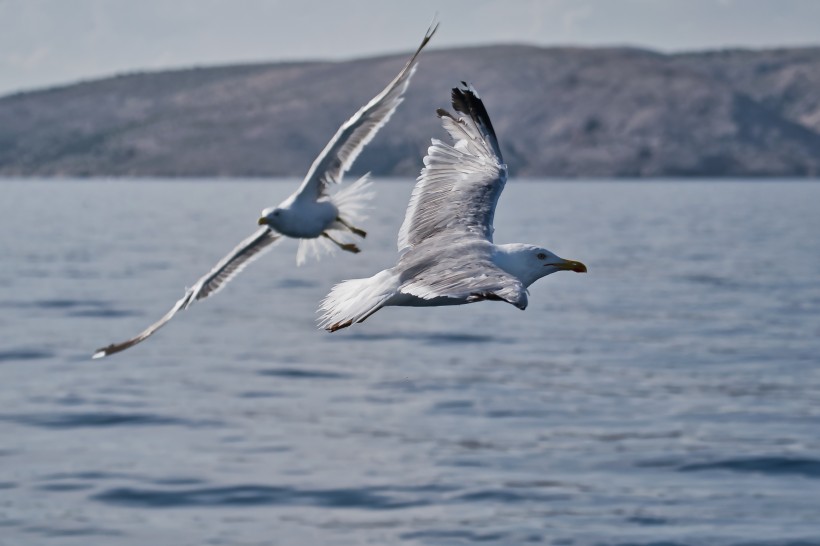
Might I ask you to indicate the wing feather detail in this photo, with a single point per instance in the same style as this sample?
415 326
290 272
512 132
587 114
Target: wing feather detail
209 284
460 184
454 267
354 134
446 237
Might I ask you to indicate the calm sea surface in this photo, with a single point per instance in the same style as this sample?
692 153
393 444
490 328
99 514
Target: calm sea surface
670 396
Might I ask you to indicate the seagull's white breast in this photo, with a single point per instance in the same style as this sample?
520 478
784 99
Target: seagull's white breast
305 219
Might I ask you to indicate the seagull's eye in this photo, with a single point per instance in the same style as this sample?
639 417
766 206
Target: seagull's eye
541 256
276 213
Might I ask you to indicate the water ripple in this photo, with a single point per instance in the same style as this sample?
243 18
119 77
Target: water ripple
763 465
98 419
661 543
262 394
73 308
782 543
372 498
10 355
56 531
296 283
300 373
509 497
713 281
178 481
59 304
103 313
429 338
64 486
459 535
647 520
90 475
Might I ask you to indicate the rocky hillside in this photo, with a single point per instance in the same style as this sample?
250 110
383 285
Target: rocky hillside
557 111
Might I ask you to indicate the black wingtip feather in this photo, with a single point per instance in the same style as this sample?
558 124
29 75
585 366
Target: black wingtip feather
431 29
467 101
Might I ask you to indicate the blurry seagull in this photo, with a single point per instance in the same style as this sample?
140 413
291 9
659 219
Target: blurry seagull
310 214
448 256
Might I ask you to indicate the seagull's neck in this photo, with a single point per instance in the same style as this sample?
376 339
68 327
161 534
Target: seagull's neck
514 259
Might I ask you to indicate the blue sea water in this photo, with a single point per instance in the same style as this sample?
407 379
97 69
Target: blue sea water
671 396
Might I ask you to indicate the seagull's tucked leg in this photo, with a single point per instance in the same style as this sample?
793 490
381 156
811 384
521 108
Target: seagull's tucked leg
351 203
360 232
349 247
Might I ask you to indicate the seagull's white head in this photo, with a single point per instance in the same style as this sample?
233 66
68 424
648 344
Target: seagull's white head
529 262
272 217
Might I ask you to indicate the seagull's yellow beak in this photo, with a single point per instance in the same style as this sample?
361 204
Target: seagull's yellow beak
569 265
262 221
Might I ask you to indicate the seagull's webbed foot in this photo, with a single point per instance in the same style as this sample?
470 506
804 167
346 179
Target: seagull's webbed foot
349 247
360 232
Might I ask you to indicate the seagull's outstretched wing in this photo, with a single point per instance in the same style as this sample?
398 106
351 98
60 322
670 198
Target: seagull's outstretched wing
207 285
446 237
459 185
354 134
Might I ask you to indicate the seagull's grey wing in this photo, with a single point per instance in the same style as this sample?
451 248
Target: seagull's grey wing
231 265
451 266
207 285
354 134
460 184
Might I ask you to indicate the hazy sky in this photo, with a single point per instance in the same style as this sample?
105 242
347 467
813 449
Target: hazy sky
46 42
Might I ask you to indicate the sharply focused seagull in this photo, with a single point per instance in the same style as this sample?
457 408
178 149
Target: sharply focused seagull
448 256
319 220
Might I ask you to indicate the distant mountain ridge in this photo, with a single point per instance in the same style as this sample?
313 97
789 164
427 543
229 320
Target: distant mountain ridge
608 112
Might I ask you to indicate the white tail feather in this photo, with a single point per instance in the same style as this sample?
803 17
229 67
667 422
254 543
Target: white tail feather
352 202
356 299
315 248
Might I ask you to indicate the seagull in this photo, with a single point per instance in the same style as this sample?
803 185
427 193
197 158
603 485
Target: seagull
446 241
310 214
